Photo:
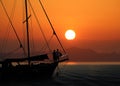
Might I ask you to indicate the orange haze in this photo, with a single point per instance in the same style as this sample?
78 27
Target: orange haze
91 19
96 20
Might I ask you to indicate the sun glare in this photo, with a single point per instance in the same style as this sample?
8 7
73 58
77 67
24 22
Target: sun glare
70 34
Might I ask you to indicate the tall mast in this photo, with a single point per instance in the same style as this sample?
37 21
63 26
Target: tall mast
28 47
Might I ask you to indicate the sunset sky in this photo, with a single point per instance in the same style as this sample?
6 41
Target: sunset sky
93 21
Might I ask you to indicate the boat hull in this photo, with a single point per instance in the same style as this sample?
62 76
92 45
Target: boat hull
39 71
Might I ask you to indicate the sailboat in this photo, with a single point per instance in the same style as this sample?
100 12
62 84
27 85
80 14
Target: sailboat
42 65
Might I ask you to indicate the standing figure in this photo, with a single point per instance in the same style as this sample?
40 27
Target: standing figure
58 53
54 56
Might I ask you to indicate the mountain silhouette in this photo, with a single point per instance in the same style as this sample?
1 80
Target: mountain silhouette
89 55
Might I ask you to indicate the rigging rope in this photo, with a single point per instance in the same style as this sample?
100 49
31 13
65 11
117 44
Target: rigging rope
12 25
39 25
4 42
51 25
48 42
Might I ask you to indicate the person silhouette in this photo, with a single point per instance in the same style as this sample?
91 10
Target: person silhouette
58 53
54 56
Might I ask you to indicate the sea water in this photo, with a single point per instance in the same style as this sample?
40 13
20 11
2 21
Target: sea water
77 74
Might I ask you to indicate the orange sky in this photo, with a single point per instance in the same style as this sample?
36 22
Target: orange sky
90 19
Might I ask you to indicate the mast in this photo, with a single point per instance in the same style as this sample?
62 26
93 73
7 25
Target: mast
27 29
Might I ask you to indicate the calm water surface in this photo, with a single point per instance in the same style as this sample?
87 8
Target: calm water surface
77 74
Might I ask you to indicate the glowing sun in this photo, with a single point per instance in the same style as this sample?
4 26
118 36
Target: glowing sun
70 34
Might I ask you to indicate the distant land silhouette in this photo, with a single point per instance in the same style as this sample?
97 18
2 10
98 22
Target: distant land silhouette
89 55
84 55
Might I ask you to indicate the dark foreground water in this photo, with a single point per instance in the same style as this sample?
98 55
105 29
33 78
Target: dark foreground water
78 75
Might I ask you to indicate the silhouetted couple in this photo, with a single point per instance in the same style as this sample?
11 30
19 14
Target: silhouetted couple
56 55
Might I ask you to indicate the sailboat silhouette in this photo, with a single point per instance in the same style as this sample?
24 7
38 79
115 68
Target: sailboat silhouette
30 65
